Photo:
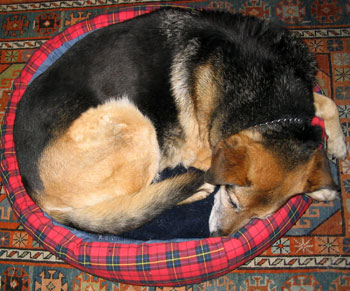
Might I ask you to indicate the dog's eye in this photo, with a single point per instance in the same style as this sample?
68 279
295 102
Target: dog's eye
232 202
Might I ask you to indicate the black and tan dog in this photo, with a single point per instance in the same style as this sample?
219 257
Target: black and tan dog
227 94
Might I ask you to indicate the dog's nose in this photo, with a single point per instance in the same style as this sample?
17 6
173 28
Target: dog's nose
215 233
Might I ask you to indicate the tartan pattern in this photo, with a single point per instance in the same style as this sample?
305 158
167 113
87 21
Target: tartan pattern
166 263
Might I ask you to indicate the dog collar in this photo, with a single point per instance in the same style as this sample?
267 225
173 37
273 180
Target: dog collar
284 120
316 121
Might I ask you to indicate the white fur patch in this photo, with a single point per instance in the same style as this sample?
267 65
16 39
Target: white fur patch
337 146
217 210
324 195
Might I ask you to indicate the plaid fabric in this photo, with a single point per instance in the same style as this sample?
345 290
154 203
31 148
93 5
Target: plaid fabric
166 263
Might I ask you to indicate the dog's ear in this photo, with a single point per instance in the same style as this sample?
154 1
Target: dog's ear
320 175
229 164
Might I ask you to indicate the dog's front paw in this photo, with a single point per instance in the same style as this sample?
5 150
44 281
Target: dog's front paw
324 195
337 147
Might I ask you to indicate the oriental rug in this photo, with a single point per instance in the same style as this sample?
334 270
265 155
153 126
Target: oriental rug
315 253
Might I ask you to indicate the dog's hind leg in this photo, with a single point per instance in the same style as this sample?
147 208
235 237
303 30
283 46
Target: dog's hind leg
110 150
328 111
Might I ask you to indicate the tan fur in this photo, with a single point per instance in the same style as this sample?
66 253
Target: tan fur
101 216
110 150
194 117
197 143
185 153
205 100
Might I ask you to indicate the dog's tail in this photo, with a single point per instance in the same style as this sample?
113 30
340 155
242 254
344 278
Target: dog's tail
127 212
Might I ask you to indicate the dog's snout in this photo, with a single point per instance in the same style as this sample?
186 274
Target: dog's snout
215 233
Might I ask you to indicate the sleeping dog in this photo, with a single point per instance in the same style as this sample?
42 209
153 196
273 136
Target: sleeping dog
228 96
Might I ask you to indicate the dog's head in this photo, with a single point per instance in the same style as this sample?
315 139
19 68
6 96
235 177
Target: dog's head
256 180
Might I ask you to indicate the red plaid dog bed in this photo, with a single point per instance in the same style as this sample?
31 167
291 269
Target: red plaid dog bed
165 263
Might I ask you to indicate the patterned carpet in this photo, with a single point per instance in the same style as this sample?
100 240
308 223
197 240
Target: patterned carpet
314 255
